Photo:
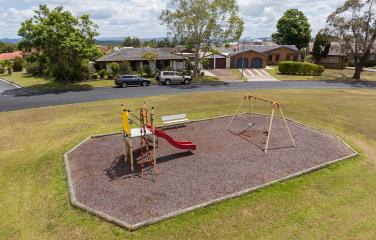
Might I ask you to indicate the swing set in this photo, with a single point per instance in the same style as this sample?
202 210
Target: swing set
267 103
143 118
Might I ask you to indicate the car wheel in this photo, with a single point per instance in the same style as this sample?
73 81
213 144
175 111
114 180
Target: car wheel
124 85
144 84
168 82
186 81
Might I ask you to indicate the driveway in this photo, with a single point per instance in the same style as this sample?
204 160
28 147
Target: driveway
15 99
258 75
225 75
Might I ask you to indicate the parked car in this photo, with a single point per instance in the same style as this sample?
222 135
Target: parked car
169 77
127 80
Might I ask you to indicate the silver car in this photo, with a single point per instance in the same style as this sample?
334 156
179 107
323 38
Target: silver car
169 77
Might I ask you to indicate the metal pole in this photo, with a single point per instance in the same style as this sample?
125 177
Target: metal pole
243 58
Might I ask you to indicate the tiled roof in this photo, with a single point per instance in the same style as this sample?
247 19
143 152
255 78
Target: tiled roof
12 55
335 49
264 48
129 54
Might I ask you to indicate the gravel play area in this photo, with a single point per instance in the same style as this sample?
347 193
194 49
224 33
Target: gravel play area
226 164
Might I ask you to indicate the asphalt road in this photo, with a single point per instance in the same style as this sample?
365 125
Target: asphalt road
4 86
20 98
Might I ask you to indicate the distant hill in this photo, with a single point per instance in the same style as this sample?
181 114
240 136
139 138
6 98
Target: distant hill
10 40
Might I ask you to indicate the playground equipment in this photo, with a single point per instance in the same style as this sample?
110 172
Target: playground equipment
274 105
148 134
145 123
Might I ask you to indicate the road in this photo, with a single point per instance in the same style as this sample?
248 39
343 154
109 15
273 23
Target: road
20 98
4 86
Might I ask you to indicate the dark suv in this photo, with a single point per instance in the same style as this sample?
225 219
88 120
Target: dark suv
127 80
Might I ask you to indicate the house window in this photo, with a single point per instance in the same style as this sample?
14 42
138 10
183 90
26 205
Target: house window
295 58
287 58
270 58
277 58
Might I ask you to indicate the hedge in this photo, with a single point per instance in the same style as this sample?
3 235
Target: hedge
300 68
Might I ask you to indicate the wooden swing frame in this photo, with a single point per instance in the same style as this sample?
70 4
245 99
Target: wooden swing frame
274 106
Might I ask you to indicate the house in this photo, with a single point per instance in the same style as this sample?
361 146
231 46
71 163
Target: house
166 58
253 56
336 58
12 55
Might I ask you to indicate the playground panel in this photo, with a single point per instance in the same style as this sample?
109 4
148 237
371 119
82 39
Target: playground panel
225 164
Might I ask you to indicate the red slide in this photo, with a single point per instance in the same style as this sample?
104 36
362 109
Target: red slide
177 144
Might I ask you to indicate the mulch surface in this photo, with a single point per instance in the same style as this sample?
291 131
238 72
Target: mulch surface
224 163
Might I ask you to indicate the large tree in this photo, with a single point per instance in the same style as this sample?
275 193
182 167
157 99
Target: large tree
354 26
66 41
293 28
132 42
202 23
321 46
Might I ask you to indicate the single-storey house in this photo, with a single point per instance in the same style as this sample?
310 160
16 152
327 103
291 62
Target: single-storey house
166 58
12 55
255 56
336 58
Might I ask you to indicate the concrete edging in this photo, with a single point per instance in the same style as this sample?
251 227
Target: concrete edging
132 227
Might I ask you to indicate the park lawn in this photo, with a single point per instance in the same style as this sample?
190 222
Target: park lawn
334 203
327 75
42 83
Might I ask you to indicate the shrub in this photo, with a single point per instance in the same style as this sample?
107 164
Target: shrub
125 68
18 64
94 76
305 68
34 68
2 70
102 73
115 68
308 58
147 70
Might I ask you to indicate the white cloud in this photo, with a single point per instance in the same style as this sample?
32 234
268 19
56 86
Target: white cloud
140 17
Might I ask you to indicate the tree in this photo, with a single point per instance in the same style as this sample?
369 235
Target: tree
152 57
115 68
152 43
7 64
202 23
354 26
321 46
18 64
7 48
65 41
132 42
293 28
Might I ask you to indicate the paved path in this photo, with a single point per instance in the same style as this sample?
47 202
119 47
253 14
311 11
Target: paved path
15 99
258 75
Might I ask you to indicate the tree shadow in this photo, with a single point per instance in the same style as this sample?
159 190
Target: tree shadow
46 88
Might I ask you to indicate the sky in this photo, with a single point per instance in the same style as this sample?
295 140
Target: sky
117 18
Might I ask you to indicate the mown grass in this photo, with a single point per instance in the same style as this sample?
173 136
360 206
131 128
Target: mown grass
43 83
327 75
334 203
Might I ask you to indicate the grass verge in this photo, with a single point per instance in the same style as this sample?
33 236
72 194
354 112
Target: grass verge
327 75
333 203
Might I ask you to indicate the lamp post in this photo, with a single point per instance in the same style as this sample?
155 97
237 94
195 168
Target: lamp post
243 57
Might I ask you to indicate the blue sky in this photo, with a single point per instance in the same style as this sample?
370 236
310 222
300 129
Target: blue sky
139 18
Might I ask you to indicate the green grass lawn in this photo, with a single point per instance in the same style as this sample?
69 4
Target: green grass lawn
328 74
334 203
43 83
